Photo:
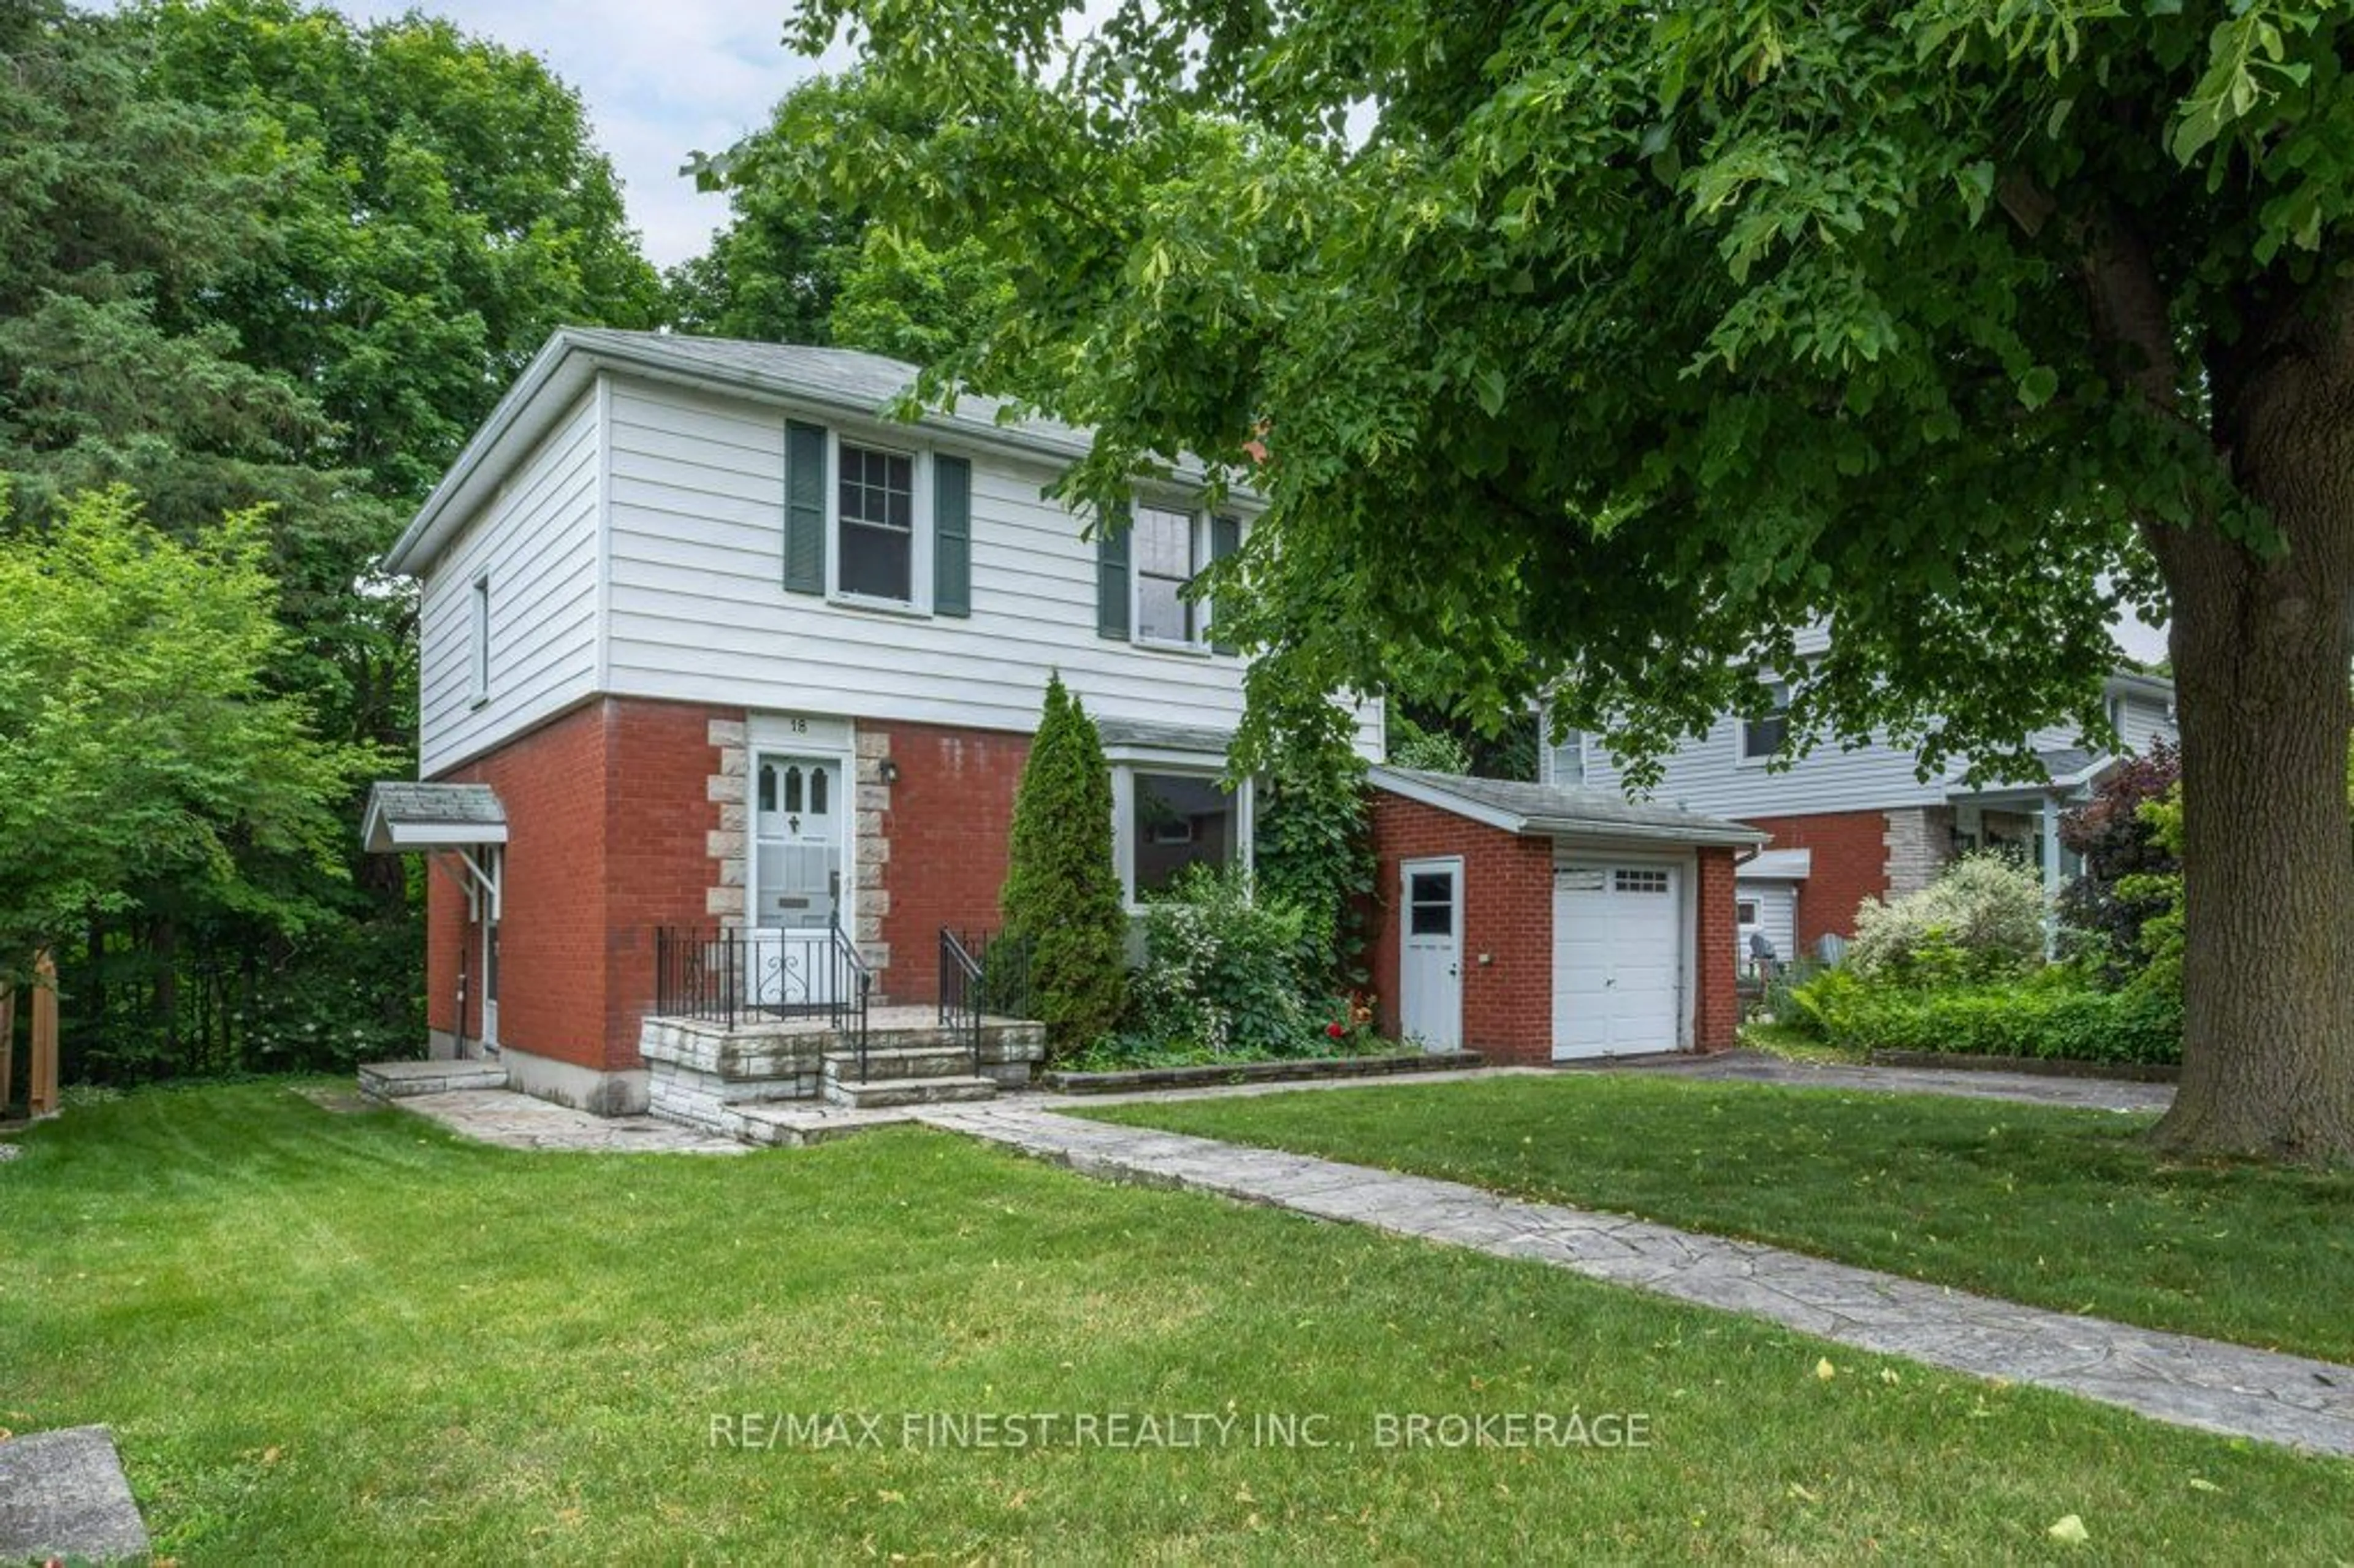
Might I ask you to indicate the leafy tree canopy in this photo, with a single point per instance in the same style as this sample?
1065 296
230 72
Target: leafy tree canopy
789 270
1620 347
139 738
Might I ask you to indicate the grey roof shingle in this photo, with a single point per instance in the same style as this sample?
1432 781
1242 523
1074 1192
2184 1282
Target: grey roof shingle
867 382
407 817
400 802
1547 809
1157 735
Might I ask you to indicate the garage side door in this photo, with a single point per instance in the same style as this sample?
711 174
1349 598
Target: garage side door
1618 950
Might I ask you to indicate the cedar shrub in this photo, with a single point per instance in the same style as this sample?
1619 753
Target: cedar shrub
1061 899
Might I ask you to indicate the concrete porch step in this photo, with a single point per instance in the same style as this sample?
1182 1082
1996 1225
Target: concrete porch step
877 1093
405 1080
919 1061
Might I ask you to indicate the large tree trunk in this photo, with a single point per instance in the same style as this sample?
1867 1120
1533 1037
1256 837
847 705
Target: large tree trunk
2261 652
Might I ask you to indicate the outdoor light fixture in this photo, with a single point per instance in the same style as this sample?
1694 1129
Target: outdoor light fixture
889 770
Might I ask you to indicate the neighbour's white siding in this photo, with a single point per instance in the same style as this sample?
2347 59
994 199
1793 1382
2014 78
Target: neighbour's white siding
698 611
538 541
2141 721
1704 776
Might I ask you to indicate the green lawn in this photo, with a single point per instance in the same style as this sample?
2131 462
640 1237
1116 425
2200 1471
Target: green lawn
2061 1208
328 1338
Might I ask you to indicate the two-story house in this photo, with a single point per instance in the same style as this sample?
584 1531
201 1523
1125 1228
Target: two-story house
708 644
1858 823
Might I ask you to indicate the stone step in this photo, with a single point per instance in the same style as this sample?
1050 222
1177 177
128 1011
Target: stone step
941 1036
405 1080
877 1093
804 1123
928 1061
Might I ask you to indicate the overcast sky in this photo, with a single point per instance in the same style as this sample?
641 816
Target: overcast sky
661 81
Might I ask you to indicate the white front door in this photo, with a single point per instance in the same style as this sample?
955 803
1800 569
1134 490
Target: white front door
1430 953
490 984
799 812
1618 959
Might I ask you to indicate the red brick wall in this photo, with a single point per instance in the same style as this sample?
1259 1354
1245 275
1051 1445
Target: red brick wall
950 824
607 836
1850 864
1507 914
551 932
1716 1008
659 869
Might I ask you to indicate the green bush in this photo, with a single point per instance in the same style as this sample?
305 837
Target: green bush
2051 1017
1982 920
1314 848
1220 972
1061 900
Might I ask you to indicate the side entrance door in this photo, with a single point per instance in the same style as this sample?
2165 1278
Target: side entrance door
798 815
1430 952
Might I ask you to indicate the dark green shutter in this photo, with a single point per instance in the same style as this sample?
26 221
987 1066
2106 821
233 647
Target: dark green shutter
1112 576
951 537
804 508
1226 538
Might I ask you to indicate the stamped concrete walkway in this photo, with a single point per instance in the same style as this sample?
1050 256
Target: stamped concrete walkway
2193 1382
514 1120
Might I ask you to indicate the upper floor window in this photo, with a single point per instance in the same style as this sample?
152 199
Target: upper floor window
1168 554
1145 568
1764 737
478 640
1569 761
872 526
875 513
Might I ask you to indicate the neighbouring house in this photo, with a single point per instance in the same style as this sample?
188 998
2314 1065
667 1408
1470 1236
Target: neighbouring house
1847 825
727 679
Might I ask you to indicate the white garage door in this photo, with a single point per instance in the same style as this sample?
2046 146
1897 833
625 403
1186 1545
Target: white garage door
1617 958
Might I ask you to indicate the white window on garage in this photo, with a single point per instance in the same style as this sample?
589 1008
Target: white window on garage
1646 879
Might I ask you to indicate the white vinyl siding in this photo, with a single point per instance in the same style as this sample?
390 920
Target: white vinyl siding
534 547
698 613
2142 720
1705 775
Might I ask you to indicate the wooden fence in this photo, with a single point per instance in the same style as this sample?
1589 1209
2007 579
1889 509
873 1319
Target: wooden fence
41 1088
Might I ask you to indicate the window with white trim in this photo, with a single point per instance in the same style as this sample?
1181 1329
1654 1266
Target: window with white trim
1766 735
478 640
1171 818
1168 549
874 523
1569 761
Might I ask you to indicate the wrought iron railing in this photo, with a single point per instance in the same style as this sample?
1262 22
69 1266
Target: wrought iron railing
732 975
981 975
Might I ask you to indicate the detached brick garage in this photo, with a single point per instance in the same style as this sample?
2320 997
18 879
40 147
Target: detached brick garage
1536 923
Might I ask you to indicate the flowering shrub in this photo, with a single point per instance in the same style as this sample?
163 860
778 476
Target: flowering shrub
1981 920
1219 971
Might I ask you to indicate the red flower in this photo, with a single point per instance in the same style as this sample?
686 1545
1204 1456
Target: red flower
1336 1030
